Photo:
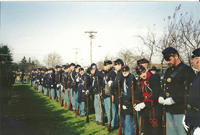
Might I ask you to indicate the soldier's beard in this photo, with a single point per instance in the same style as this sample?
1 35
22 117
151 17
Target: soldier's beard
171 65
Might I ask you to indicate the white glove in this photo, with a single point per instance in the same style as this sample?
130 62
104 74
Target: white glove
38 80
58 85
124 107
87 92
42 79
168 101
140 106
110 83
137 109
51 85
184 124
83 90
197 131
77 79
161 100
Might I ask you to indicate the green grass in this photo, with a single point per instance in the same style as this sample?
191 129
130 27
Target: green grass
46 117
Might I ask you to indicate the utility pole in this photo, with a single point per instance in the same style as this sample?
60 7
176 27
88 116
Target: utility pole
91 37
76 54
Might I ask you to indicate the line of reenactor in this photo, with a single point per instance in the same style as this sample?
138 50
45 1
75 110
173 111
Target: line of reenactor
138 103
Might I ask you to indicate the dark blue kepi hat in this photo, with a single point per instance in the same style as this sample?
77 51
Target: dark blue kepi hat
57 66
93 64
139 69
118 61
125 68
168 52
107 62
196 53
77 66
72 64
67 66
142 61
80 69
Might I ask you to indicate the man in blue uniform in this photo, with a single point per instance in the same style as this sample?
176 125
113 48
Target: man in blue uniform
119 76
84 78
76 76
126 101
72 77
146 98
97 76
58 78
40 80
44 81
52 85
192 117
173 99
68 87
109 74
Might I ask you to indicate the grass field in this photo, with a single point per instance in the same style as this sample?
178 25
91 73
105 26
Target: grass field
46 117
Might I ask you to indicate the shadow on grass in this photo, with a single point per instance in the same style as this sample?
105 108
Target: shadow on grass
45 116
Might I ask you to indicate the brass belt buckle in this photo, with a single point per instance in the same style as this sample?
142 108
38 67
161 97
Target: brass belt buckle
167 94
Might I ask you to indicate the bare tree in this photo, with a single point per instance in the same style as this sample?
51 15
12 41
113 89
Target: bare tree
52 59
129 57
150 41
181 32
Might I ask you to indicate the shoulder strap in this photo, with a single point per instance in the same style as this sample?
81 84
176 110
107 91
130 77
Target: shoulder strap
176 71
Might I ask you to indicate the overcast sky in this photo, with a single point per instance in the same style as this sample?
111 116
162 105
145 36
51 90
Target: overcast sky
35 29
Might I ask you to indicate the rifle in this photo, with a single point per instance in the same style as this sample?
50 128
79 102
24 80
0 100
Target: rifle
109 126
102 123
59 102
64 91
50 94
86 97
70 104
42 90
47 92
77 111
140 118
186 97
120 109
134 112
164 111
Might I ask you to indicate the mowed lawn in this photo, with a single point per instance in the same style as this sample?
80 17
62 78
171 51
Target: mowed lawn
46 117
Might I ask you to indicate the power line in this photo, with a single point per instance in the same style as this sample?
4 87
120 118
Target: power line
91 37
76 53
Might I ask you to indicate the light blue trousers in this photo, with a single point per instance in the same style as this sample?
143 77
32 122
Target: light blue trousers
174 124
76 100
114 112
128 125
45 91
72 99
39 88
82 108
53 93
68 97
97 108
57 93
